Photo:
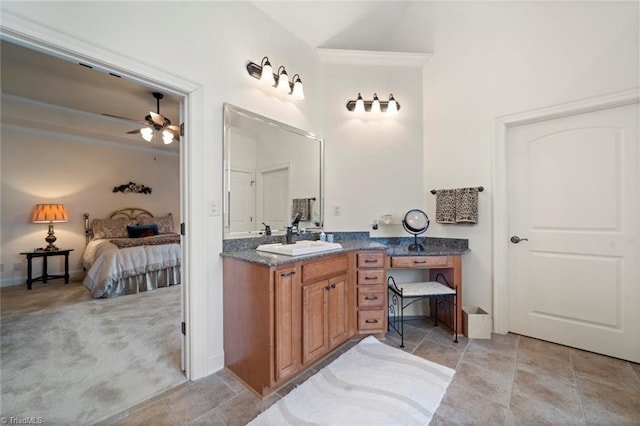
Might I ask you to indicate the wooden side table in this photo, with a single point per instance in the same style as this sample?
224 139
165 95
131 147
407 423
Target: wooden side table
45 275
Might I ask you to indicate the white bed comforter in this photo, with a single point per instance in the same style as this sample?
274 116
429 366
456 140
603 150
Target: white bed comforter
106 264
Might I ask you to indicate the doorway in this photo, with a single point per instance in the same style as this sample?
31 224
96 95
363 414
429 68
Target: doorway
72 50
571 197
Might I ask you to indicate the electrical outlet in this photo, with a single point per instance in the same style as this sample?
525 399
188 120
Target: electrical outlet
17 266
214 208
337 209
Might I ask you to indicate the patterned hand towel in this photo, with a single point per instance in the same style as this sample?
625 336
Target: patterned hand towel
466 205
302 206
446 206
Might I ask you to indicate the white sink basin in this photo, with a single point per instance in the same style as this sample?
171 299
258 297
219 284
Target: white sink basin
300 247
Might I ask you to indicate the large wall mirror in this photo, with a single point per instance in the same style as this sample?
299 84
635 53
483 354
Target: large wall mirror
272 171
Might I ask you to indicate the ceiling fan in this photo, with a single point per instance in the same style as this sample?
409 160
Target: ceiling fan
156 125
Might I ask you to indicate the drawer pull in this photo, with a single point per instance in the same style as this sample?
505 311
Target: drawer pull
371 261
419 261
371 298
371 321
288 274
370 278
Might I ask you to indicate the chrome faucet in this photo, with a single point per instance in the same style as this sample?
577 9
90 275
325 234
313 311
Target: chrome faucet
289 235
267 229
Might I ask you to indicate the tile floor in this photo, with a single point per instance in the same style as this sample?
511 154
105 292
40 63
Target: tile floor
508 380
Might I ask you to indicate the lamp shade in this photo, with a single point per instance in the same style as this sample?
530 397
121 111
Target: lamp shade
45 213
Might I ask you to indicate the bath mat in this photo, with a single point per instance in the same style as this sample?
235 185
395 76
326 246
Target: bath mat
370 384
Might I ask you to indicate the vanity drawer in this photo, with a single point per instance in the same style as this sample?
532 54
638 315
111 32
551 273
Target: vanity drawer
371 276
371 320
371 260
422 262
371 297
315 270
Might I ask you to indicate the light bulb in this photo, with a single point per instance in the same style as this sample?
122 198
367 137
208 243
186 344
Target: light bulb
267 72
167 137
298 91
392 108
147 134
375 105
283 80
359 105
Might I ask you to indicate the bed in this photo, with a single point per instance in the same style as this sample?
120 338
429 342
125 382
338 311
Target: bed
130 251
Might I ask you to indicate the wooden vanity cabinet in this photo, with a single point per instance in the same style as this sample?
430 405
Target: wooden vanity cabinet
325 307
371 292
279 319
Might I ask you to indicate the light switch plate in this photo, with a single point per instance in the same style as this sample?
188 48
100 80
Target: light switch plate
337 209
214 207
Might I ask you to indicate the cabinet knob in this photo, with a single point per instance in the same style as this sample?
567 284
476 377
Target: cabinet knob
333 286
327 288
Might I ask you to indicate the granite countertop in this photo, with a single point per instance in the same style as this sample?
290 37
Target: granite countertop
393 247
271 259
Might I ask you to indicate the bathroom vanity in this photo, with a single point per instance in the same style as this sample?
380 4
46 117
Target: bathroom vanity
284 313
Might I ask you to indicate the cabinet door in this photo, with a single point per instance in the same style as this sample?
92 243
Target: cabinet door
287 323
315 320
338 314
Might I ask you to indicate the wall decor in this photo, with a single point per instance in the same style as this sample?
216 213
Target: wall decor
132 187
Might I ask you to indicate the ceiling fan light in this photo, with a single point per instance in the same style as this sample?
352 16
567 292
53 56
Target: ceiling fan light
167 137
147 134
359 109
283 80
298 90
267 72
375 105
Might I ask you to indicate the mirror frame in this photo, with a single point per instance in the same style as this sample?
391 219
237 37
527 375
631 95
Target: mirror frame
228 109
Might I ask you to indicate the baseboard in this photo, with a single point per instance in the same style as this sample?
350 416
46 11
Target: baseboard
215 363
75 275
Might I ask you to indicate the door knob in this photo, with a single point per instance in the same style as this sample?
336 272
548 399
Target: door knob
515 239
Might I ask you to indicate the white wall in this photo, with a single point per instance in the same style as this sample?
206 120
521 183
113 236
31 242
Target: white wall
373 161
494 59
44 167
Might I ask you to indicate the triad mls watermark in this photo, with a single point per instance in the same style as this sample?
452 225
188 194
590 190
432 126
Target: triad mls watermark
21 420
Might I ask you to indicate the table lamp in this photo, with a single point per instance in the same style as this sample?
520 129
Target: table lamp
49 213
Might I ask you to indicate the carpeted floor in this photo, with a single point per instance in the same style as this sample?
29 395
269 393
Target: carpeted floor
76 363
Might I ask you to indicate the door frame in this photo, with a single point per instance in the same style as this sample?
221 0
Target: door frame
501 127
46 40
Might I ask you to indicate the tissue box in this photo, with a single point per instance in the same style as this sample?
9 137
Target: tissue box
476 323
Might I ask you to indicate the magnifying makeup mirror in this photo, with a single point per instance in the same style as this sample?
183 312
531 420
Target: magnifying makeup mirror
415 222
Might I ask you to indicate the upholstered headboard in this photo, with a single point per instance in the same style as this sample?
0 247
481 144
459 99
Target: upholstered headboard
125 213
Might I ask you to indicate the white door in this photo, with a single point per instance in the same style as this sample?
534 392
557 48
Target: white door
274 196
573 190
242 201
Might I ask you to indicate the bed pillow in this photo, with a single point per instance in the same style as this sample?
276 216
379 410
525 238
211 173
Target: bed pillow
111 228
142 231
165 223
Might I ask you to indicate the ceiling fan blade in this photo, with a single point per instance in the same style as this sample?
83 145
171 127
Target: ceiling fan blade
124 118
133 132
158 119
174 128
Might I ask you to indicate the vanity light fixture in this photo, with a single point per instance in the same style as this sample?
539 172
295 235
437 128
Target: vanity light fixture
376 105
264 73
298 91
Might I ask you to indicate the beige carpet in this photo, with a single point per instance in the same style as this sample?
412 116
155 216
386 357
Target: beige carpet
79 363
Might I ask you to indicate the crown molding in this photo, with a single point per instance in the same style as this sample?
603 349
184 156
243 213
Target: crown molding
371 57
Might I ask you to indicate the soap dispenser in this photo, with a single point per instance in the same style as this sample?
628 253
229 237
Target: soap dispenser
323 236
